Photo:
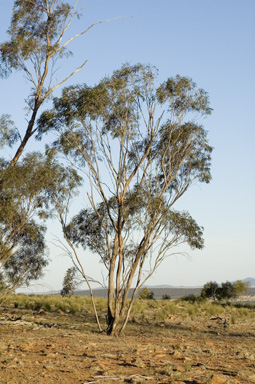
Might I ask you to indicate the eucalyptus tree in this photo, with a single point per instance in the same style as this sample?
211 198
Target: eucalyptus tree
27 193
140 147
38 39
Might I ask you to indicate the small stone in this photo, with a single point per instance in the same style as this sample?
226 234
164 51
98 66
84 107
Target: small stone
177 382
219 379
249 356
138 362
248 375
160 355
48 367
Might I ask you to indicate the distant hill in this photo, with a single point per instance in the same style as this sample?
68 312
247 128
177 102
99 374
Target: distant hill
249 280
159 290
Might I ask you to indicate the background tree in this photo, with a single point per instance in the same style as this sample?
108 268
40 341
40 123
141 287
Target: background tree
70 282
240 287
210 290
26 195
224 291
138 165
146 294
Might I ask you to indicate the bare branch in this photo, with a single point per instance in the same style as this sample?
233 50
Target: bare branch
85 31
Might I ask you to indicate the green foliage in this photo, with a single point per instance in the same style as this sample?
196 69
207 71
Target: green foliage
36 41
210 290
240 287
70 282
146 294
9 133
182 95
34 33
225 291
28 190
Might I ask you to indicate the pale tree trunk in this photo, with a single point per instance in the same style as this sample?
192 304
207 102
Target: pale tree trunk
111 291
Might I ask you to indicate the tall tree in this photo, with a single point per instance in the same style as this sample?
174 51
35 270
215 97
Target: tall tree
37 40
141 148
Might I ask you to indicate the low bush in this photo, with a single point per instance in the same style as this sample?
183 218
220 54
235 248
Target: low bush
166 297
192 298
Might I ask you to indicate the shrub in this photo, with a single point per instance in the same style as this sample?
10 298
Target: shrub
192 298
46 306
38 305
146 294
166 297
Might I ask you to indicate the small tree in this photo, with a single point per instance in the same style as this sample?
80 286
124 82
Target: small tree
146 294
225 291
138 165
240 287
70 282
210 290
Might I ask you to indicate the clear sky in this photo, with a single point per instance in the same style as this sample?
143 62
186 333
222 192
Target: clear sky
213 42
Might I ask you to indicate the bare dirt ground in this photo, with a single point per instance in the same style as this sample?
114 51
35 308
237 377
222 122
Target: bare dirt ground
55 348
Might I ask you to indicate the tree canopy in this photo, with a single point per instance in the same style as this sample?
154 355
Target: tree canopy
27 193
37 41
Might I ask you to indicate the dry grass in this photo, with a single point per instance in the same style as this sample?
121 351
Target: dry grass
148 311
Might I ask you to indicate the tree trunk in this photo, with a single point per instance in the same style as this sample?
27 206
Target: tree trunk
28 134
112 325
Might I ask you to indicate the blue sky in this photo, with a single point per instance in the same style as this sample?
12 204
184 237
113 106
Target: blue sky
213 43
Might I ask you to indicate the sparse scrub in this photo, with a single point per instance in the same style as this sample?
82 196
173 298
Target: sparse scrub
29 304
243 312
37 305
147 311
171 308
215 309
46 306
160 315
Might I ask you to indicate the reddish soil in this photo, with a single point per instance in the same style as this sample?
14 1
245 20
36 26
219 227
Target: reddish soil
38 348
